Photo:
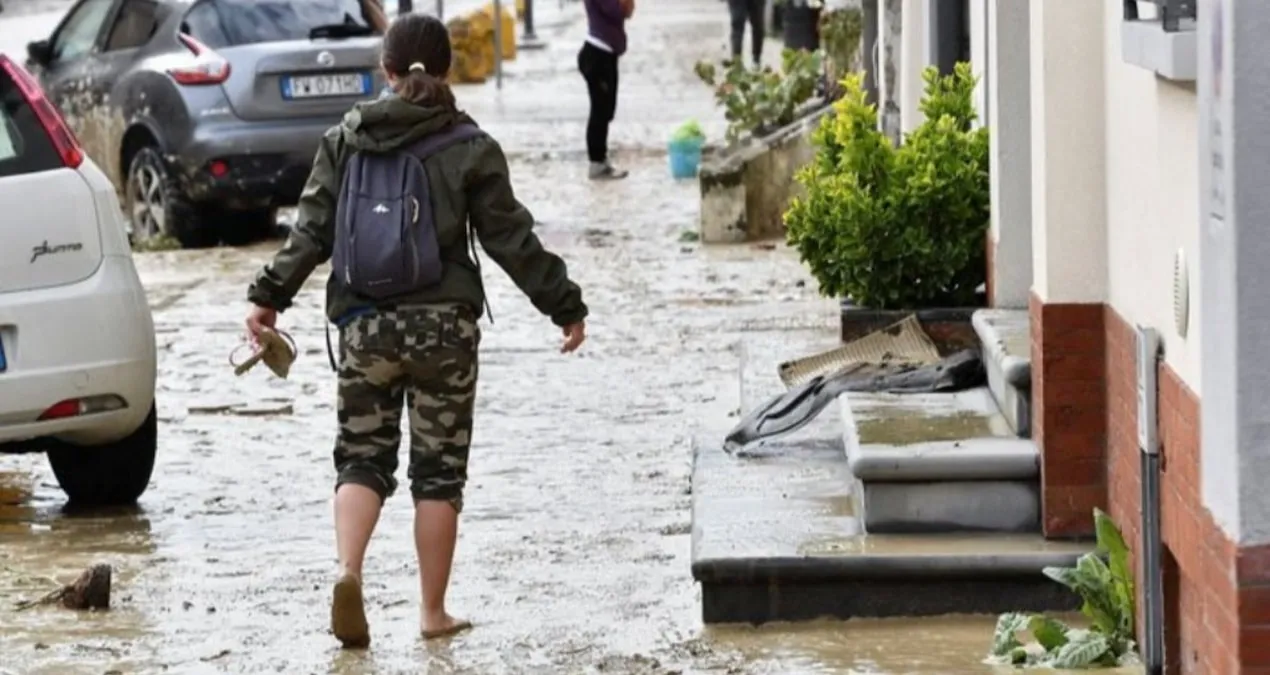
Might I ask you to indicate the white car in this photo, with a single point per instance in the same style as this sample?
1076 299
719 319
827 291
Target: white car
77 348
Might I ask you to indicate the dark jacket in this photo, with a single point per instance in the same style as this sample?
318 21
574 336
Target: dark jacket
606 21
469 181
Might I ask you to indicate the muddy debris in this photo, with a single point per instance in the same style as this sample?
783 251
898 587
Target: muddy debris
259 409
90 591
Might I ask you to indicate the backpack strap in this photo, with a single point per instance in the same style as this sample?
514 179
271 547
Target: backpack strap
432 144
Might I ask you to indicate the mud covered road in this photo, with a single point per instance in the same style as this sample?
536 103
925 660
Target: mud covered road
574 550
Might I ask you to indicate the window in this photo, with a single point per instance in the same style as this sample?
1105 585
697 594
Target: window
225 23
78 35
24 146
203 24
134 26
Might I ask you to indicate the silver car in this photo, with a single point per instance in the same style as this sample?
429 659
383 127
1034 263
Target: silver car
206 114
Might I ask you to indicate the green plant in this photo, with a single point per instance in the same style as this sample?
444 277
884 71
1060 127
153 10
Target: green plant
1109 604
688 131
758 101
897 227
840 32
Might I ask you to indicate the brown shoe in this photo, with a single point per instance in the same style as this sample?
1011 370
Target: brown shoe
348 613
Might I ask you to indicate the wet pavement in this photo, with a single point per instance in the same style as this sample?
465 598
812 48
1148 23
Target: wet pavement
574 549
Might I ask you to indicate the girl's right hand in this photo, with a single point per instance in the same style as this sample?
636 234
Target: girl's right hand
574 336
260 318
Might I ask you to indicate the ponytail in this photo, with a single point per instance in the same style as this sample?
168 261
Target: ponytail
417 54
421 88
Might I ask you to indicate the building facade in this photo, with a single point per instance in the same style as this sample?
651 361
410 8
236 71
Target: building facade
1131 153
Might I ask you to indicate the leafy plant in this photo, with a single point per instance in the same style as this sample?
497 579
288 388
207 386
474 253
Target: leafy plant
758 101
897 227
687 132
1109 604
840 32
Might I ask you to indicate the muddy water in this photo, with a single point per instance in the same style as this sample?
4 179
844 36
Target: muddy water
575 548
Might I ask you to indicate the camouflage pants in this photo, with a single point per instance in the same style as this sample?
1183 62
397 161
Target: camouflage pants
424 356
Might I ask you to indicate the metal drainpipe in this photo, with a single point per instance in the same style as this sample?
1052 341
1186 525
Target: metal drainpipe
1148 346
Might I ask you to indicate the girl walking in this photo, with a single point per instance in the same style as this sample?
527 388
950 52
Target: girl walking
417 347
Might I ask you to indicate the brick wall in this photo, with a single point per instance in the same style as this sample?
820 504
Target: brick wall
1217 596
1069 415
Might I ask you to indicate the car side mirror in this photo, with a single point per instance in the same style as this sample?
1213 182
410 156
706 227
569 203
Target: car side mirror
40 52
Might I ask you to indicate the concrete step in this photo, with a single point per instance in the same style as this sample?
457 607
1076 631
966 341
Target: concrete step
775 537
1007 356
938 463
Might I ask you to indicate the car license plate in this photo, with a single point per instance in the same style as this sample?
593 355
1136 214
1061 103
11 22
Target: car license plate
324 86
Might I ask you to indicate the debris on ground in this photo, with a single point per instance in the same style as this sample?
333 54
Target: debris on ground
90 591
898 359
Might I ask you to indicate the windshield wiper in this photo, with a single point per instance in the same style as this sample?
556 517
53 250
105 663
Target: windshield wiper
340 30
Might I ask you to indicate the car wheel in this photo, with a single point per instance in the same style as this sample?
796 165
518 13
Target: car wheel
115 474
239 228
155 206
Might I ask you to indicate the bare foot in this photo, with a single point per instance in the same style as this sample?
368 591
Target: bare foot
443 625
348 613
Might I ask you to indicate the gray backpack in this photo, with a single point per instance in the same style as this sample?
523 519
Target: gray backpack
385 233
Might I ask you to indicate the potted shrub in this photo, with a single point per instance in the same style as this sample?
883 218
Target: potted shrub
898 229
840 33
757 102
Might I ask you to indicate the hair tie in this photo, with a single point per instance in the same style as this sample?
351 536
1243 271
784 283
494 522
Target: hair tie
419 67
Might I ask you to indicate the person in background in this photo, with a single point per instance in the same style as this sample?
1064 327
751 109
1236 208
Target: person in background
754 12
373 12
418 348
597 61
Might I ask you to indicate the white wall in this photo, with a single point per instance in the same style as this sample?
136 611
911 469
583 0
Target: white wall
1069 228
1005 36
915 38
979 42
1152 153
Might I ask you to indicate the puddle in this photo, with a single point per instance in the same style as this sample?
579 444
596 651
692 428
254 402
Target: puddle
939 545
934 646
909 427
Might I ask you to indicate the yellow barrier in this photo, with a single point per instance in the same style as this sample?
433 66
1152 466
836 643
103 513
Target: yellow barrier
472 41
508 28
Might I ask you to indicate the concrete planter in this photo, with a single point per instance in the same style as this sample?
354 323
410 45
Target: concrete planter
746 189
949 327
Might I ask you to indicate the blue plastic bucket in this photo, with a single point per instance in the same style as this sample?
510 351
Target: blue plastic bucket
685 158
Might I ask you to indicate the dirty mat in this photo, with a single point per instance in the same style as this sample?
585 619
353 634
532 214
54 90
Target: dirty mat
902 342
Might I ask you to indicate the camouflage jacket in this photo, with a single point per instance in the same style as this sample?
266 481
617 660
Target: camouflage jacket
469 181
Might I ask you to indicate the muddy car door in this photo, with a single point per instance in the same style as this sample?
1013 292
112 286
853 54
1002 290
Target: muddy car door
66 62
117 91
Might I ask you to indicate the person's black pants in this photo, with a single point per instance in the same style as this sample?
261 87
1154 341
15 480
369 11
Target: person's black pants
751 11
599 69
